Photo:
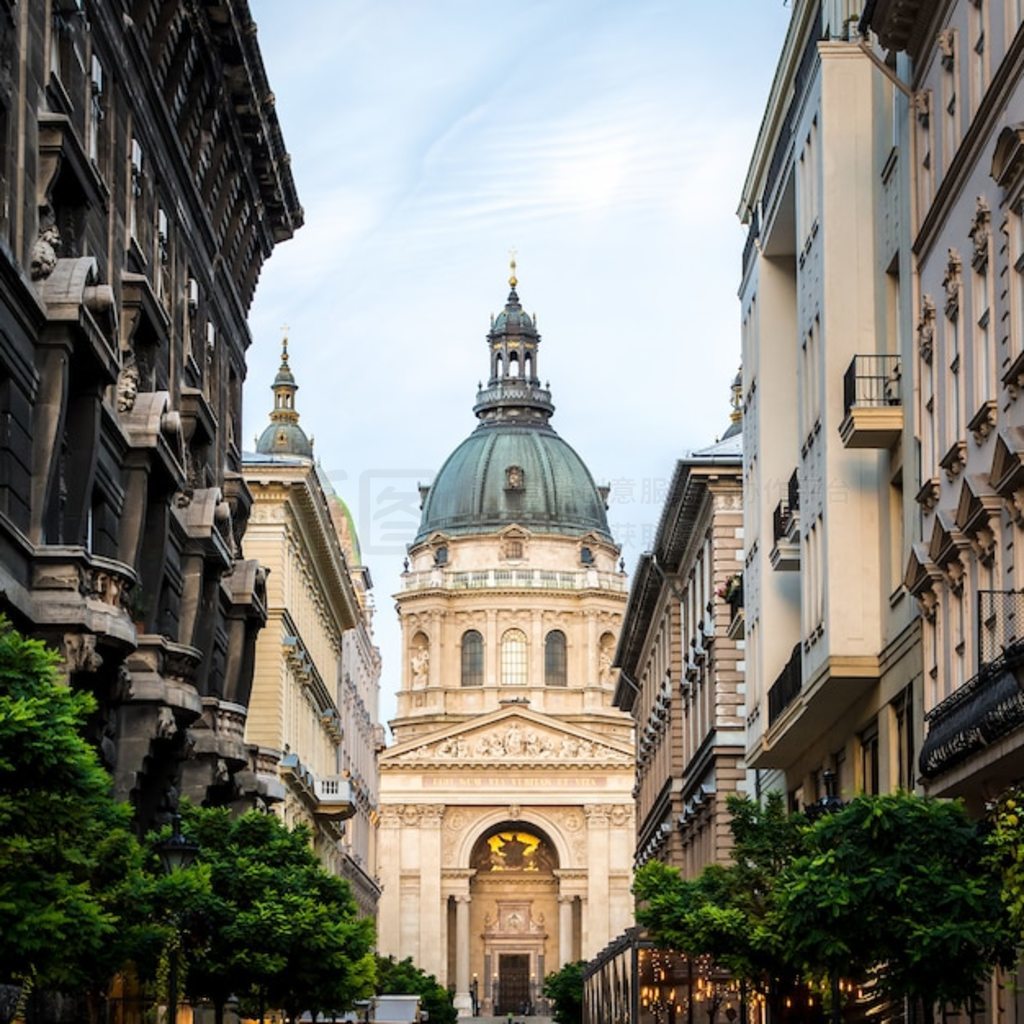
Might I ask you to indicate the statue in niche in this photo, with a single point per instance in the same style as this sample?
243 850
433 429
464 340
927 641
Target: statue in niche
420 665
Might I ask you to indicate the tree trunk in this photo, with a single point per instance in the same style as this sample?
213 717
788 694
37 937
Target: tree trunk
218 1011
837 1007
927 1011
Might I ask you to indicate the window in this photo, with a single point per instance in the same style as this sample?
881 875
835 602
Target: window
977 57
472 658
555 659
903 723
95 108
513 658
869 760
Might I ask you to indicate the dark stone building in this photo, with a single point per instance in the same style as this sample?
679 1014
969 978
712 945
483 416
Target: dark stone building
144 181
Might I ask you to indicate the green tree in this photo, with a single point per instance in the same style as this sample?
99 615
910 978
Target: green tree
729 911
565 990
1005 855
272 926
403 977
897 884
69 863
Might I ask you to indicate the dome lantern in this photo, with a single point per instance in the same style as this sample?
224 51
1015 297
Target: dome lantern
513 392
284 436
514 468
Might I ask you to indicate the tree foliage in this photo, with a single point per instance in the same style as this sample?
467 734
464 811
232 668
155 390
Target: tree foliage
1005 855
565 990
898 884
403 977
270 923
69 864
728 911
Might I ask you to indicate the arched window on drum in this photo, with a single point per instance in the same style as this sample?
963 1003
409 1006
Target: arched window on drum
472 658
555 661
513 658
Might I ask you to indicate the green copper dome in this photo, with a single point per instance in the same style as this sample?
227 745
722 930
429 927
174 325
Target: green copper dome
513 468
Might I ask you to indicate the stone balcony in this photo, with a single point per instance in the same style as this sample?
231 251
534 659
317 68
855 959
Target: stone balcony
873 402
334 797
75 590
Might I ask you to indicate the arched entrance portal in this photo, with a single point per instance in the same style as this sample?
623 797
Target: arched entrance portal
514 917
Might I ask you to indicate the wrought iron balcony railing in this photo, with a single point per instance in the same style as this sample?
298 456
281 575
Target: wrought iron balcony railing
786 687
990 705
872 381
782 520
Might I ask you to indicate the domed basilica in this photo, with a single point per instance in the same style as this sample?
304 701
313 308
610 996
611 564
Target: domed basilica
506 836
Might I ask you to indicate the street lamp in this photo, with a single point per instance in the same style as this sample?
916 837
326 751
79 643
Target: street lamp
176 852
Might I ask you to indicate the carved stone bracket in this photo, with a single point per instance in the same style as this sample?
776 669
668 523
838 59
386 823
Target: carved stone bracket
928 496
954 460
983 422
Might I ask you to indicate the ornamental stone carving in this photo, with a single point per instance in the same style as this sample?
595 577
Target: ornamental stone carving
980 233
951 284
80 654
926 329
923 107
946 42
520 743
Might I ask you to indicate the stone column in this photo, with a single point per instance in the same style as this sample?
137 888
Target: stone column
389 859
491 665
432 956
565 936
597 931
463 1000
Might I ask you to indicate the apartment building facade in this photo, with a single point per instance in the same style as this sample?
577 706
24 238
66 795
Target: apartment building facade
144 181
962 64
833 654
680 661
313 728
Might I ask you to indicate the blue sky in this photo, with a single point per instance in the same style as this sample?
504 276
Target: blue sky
604 140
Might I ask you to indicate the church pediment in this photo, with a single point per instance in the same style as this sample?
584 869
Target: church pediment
510 736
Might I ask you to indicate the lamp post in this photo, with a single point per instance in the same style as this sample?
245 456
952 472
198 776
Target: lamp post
176 852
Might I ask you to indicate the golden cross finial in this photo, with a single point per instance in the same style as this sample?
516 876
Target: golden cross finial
512 280
284 343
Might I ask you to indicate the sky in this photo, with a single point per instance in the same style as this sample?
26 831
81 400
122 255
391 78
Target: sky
604 142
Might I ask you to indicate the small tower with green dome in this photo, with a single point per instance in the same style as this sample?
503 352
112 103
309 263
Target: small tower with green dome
283 435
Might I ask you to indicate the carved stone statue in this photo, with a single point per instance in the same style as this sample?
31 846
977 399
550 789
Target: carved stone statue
513 740
44 253
420 665
127 383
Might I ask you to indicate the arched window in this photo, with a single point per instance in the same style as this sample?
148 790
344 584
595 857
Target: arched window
472 658
554 659
513 658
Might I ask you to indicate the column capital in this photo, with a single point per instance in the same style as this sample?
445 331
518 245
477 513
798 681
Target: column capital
463 898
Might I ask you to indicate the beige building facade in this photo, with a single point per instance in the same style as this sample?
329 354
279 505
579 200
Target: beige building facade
312 711
834 680
506 838
962 64
680 661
